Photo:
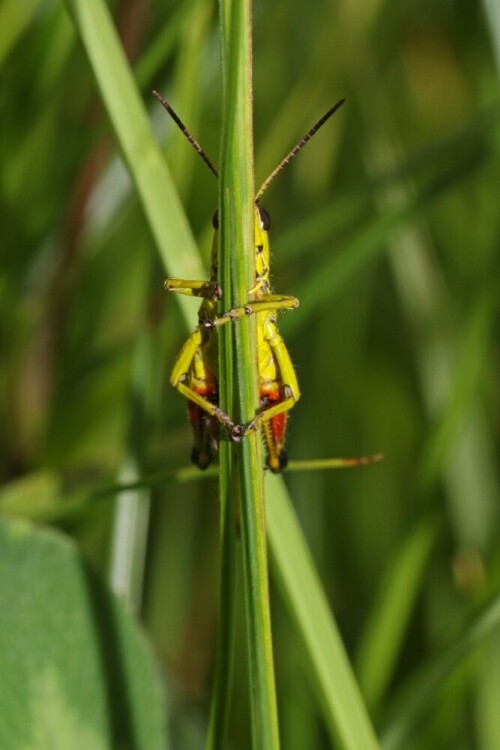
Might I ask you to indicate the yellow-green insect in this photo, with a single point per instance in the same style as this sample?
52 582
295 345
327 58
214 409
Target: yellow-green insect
195 372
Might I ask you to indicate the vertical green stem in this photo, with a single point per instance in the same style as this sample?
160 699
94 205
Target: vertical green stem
221 693
238 380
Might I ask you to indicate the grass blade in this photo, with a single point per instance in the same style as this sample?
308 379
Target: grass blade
141 152
332 676
237 358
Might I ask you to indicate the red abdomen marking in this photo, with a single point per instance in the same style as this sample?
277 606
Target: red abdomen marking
279 427
278 423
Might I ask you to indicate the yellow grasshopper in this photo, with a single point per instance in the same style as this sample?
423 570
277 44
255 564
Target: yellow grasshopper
195 372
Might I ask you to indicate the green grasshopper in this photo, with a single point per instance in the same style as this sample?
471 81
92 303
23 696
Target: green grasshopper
195 371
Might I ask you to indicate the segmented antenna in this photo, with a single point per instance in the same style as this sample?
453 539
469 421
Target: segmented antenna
296 149
186 132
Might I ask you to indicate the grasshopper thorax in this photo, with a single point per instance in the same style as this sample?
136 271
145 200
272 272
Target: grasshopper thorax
262 252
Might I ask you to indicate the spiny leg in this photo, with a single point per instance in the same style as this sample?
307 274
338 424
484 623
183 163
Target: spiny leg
267 303
277 405
240 431
274 432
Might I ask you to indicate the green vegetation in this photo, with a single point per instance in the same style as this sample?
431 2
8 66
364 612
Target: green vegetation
386 622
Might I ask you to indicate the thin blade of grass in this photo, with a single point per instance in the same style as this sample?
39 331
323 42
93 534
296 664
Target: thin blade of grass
237 361
15 17
141 152
332 677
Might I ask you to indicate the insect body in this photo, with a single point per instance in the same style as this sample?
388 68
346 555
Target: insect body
195 372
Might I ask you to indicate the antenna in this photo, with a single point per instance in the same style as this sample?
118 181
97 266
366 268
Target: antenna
296 149
186 132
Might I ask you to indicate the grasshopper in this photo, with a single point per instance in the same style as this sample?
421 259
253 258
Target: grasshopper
195 371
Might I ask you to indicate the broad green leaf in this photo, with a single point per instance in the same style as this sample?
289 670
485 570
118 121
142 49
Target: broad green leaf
77 673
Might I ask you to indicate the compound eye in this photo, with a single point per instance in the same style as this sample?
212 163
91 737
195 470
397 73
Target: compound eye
265 219
215 220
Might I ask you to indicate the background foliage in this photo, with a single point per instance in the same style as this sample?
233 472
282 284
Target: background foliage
386 228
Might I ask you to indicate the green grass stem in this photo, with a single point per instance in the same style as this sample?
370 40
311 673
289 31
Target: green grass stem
237 364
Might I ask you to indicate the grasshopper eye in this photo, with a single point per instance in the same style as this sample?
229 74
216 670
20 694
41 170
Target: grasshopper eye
215 219
265 219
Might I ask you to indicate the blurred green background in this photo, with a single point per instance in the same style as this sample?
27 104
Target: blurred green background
386 227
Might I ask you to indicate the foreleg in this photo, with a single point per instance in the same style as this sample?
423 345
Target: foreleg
268 302
194 288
